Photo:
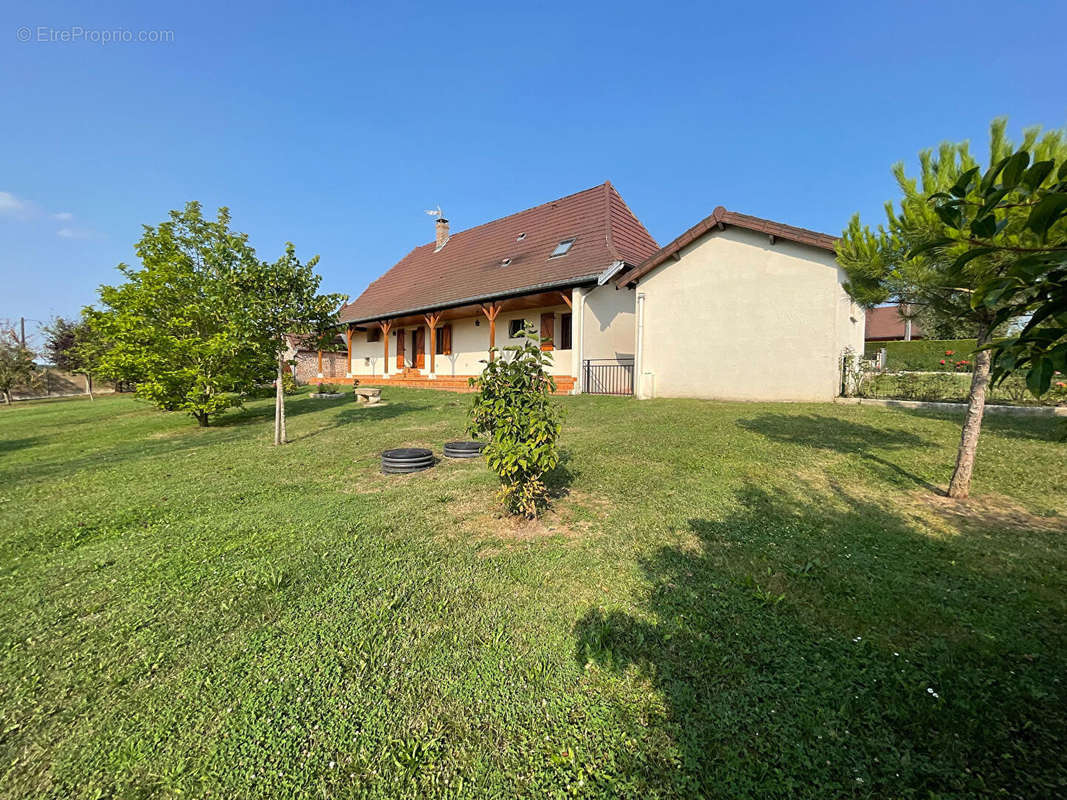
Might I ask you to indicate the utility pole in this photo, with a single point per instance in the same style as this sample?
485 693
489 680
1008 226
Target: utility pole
22 328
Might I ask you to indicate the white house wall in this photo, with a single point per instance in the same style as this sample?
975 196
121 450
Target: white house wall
736 317
609 323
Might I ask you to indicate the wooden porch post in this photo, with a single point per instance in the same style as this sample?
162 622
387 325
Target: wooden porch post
386 327
348 341
491 311
320 362
431 323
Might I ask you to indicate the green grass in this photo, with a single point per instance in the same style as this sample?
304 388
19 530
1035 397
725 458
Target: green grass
727 600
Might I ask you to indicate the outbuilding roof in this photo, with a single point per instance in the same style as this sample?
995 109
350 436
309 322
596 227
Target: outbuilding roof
511 255
720 218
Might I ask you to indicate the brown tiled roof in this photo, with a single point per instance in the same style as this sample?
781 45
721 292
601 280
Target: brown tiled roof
720 216
885 323
469 267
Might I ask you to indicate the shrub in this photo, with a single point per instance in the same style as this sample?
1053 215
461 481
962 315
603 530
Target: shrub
512 408
329 388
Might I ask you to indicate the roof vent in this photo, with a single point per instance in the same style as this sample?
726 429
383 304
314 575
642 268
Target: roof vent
505 262
520 237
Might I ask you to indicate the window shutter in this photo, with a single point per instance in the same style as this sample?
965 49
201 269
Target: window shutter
548 330
446 337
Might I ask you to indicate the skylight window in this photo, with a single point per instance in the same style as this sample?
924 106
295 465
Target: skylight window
562 248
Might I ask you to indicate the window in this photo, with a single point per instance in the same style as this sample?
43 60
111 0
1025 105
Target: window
562 248
443 340
565 332
515 327
374 334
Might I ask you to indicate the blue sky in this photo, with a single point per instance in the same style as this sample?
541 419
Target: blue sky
335 125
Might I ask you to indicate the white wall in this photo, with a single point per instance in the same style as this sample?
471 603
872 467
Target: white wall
470 345
609 323
739 318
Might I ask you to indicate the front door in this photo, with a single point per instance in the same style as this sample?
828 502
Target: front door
420 348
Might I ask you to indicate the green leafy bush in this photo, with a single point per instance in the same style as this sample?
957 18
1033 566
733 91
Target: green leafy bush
512 408
328 388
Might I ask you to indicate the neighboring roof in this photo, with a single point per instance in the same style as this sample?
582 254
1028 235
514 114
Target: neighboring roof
469 267
720 216
885 322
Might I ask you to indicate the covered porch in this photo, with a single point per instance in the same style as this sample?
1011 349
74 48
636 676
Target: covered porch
443 348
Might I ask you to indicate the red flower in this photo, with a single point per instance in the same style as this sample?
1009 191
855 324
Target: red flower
949 352
1061 385
942 361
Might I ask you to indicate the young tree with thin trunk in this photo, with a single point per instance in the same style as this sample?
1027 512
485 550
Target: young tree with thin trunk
283 299
959 234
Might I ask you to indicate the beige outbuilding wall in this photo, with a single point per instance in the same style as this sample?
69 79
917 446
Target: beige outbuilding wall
736 317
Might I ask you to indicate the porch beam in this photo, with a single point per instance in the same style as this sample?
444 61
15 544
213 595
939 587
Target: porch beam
348 342
431 323
491 311
386 326
566 299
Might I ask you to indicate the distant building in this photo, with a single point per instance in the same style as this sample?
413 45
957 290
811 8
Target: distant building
884 324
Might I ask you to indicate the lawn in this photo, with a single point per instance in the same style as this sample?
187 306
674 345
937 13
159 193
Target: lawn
727 600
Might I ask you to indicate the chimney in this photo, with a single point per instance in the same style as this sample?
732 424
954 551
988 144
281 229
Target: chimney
442 233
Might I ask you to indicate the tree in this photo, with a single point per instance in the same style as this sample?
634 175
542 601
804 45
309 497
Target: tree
180 327
283 299
72 346
17 367
1023 222
958 236
513 408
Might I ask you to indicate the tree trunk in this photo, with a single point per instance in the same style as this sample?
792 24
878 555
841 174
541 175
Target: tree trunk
89 385
7 398
202 419
960 485
279 405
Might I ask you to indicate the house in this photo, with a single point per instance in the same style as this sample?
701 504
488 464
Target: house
736 307
431 319
885 324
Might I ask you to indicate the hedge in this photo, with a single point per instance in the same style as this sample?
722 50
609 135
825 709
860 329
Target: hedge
923 355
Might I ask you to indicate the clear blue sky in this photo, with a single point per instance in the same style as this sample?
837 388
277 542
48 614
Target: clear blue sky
334 127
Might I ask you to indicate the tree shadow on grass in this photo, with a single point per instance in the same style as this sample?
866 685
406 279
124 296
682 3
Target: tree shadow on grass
264 412
11 445
816 644
560 479
841 436
1022 426
360 414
